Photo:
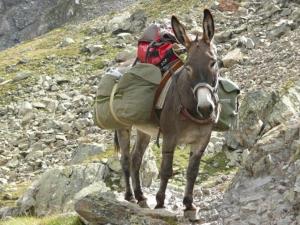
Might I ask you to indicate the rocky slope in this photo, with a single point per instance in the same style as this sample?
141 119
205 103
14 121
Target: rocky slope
47 91
24 20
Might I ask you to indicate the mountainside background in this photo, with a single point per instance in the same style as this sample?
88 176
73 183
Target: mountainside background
23 20
53 158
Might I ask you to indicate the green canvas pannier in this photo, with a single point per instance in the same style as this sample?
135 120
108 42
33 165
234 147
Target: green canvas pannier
121 103
228 93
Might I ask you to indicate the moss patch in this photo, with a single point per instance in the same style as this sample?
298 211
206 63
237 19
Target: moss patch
52 220
10 194
108 153
211 167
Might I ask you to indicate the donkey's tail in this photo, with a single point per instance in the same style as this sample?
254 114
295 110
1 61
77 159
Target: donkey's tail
116 142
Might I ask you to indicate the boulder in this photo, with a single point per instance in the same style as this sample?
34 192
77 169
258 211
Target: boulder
266 188
127 23
54 192
94 49
245 42
149 171
126 55
66 42
22 76
260 111
85 152
105 208
255 106
232 57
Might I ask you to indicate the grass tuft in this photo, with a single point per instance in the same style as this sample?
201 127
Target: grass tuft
50 220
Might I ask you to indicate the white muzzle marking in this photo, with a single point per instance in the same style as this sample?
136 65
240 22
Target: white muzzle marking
204 98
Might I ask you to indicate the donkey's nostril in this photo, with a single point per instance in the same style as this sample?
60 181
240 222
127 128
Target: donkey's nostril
210 108
205 112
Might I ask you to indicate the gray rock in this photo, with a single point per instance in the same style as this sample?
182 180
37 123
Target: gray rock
223 37
3 160
54 192
3 181
82 123
34 155
137 21
104 208
21 76
295 16
125 23
86 152
67 41
13 163
39 105
271 9
51 105
127 37
232 57
254 109
125 55
8 212
281 28
149 171
94 49
245 42
114 164
287 106
263 191
115 24
96 187
25 108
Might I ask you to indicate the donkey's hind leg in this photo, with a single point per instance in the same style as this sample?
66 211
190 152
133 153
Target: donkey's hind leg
123 138
142 141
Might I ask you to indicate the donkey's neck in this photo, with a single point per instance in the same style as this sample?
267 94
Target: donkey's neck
182 90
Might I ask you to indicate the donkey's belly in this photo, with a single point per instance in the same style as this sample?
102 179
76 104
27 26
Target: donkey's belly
150 129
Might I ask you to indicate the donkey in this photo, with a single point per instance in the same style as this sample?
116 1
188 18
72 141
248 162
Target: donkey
190 110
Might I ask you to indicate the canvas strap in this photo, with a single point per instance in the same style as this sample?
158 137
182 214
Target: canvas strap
111 108
98 121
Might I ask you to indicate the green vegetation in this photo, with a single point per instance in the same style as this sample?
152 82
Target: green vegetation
108 153
211 167
286 87
51 220
296 155
10 194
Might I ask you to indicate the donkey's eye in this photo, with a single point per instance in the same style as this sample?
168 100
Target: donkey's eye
212 64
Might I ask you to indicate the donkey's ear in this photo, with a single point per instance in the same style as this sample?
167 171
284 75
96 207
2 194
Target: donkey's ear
180 32
208 26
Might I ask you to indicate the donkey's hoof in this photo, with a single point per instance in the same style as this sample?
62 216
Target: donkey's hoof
143 204
159 207
191 214
130 199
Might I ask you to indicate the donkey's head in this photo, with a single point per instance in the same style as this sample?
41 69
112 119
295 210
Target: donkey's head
201 67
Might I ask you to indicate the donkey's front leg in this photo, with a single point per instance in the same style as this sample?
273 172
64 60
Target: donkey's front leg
166 169
196 153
